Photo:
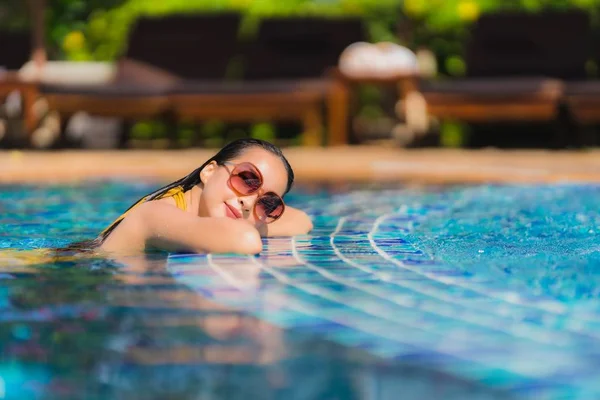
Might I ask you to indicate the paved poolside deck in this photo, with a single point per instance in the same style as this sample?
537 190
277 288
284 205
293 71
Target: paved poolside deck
356 163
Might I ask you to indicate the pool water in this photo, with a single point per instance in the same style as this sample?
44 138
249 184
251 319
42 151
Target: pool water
409 292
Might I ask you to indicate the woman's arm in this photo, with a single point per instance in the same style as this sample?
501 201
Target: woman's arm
160 225
292 222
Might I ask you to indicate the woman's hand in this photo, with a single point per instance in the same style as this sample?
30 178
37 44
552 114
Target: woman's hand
293 222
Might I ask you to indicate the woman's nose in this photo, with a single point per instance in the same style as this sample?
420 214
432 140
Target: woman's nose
247 202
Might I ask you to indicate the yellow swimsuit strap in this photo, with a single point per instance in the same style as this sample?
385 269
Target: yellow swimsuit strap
177 193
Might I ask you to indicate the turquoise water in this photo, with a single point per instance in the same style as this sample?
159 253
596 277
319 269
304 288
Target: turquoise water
474 292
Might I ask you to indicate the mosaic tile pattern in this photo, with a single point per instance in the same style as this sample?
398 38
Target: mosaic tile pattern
433 278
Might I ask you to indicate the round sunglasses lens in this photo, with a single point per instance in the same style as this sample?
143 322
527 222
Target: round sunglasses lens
245 179
269 207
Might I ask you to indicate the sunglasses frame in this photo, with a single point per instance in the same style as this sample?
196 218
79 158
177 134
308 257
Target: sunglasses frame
260 176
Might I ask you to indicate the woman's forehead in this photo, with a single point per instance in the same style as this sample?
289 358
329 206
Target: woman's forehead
270 166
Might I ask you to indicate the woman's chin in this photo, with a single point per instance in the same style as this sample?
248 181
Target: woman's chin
214 213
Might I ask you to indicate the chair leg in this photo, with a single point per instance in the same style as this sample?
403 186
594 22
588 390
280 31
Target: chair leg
29 97
566 130
338 99
124 133
312 124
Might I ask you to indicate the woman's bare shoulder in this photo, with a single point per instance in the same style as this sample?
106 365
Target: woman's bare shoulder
160 225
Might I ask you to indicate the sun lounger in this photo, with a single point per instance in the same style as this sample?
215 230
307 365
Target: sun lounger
583 101
15 50
284 78
174 67
515 66
160 53
138 90
582 97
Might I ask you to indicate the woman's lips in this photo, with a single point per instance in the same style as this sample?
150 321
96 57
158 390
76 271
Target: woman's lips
232 212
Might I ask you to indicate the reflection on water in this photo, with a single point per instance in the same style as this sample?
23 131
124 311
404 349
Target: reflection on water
104 329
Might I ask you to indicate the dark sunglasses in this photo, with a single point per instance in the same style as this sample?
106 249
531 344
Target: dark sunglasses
246 179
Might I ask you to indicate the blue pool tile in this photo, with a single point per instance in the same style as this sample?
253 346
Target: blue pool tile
494 286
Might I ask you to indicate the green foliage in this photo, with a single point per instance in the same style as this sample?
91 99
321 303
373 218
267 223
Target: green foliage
453 134
69 24
98 29
263 131
145 130
455 65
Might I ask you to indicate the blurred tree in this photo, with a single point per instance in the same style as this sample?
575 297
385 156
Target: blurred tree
97 29
68 25
66 22
102 33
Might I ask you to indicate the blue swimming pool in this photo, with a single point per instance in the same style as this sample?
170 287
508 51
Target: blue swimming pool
463 292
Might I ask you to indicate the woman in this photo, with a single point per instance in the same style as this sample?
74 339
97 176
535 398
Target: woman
226 205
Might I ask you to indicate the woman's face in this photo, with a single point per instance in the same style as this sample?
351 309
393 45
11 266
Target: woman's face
218 199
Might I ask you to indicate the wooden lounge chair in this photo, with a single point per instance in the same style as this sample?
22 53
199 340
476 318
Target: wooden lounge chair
160 53
138 91
582 98
515 67
15 50
284 78
174 67
583 101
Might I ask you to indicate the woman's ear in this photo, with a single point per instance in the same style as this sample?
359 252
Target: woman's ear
207 171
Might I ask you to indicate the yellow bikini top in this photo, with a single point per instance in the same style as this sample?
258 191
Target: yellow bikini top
176 193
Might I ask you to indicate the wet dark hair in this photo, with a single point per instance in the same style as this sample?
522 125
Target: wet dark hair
229 152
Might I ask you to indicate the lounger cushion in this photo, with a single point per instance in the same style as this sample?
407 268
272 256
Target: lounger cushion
136 72
248 87
132 79
111 90
493 88
583 88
